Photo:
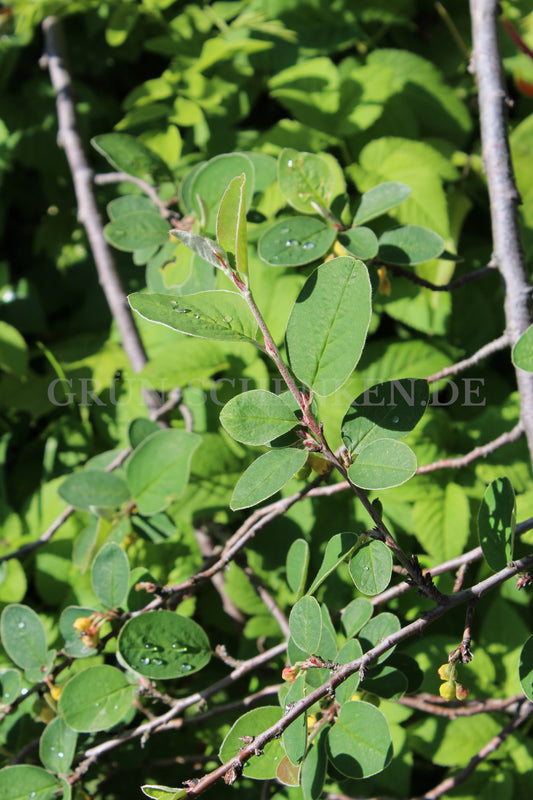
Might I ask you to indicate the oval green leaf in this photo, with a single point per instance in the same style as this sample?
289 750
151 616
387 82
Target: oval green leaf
371 568
57 746
23 636
295 735
297 566
383 464
350 651
313 771
410 244
379 200
163 645
158 470
211 181
157 792
497 523
360 242
523 351
94 489
296 241
23 781
267 475
202 246
328 324
359 744
387 682
305 624
337 550
251 724
96 699
137 231
10 681
388 410
525 669
220 315
306 180
110 575
231 225
130 204
128 154
257 417
379 628
355 615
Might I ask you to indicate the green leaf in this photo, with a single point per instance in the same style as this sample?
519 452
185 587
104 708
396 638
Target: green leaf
525 669
13 582
267 475
371 568
221 315
10 680
130 204
297 566
139 429
158 470
305 624
313 771
306 180
157 792
57 746
23 781
231 225
295 735
359 744
338 548
355 615
94 489
523 351
328 324
13 350
23 636
350 651
257 417
127 154
387 682
110 575
410 244
295 241
383 464
380 627
388 410
206 248
497 523
379 200
211 181
360 242
96 699
441 521
251 724
137 231
74 644
163 645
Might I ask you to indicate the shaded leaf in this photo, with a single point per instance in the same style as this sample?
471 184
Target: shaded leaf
305 624
110 575
337 550
410 244
379 200
350 651
231 225
23 781
497 523
57 746
525 669
297 566
360 242
137 231
251 724
378 628
127 154
355 615
359 744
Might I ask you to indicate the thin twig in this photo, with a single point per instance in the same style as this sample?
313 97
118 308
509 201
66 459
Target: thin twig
508 252
103 179
432 704
438 287
484 352
88 213
478 452
447 785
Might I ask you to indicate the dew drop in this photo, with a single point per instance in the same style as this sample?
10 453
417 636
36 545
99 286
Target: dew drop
291 242
52 749
284 230
33 794
178 649
290 163
366 568
21 625
145 661
158 662
274 259
154 648
308 246
227 320
61 755
396 418
196 316
181 310
186 667
301 195
115 708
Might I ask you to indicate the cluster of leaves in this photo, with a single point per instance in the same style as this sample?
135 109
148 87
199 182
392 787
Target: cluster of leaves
291 179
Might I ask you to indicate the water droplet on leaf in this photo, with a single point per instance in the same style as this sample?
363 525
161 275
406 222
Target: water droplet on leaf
178 649
21 625
291 242
24 691
290 163
396 418
61 755
186 667
181 310
145 661
308 246
158 662
284 230
196 316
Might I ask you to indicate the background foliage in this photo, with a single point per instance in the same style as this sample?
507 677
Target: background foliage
382 91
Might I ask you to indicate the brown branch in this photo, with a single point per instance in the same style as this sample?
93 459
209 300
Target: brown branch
508 253
121 177
487 350
404 272
478 452
447 785
88 213
434 705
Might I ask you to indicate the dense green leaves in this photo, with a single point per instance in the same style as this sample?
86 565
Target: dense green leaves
163 645
328 324
127 154
94 489
250 724
23 636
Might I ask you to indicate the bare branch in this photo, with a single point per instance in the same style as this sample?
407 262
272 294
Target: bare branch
508 253
121 177
484 352
410 275
478 452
